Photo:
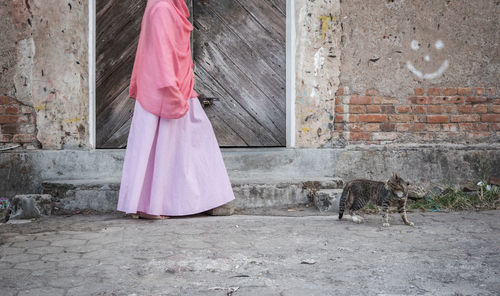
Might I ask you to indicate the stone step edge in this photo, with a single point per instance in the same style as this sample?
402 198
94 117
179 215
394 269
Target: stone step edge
102 195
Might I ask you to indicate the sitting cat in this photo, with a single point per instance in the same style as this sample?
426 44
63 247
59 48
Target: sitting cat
358 193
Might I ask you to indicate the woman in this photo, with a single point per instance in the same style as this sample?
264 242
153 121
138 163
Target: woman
173 164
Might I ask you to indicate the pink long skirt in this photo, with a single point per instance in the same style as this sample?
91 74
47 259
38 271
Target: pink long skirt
173 167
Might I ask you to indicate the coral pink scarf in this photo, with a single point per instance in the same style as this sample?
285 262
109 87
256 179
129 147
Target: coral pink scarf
162 77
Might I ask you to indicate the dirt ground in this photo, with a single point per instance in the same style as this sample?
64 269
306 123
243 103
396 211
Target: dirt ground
291 254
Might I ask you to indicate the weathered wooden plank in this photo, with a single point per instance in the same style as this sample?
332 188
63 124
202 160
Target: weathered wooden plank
230 112
237 19
237 67
111 120
118 27
270 16
243 56
240 89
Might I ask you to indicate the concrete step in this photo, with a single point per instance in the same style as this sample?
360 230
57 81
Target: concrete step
101 195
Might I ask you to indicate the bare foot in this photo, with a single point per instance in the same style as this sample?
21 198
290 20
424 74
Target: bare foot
153 217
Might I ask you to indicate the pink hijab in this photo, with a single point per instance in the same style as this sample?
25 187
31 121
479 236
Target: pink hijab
162 77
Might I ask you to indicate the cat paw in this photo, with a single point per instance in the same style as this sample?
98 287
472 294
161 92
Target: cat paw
386 224
358 219
410 223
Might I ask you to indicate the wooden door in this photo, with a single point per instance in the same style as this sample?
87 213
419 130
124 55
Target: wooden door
118 24
239 54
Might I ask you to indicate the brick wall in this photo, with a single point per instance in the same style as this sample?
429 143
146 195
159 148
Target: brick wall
445 115
17 123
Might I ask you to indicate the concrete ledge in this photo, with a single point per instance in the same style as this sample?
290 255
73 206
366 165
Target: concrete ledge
23 171
102 195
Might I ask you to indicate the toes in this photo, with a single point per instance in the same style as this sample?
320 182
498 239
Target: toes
386 224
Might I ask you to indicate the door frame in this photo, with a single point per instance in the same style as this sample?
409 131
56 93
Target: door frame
290 74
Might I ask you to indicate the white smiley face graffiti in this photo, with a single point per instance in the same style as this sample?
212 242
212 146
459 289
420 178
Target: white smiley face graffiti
438 45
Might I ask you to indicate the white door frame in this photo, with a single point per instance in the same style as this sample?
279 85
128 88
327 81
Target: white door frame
290 74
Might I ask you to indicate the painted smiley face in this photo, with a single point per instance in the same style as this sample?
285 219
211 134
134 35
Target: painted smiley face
439 45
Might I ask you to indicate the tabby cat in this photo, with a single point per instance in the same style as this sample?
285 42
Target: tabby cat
358 193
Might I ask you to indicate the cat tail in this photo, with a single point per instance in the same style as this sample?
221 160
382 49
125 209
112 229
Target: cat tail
343 198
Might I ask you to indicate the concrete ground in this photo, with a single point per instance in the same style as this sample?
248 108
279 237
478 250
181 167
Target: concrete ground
443 254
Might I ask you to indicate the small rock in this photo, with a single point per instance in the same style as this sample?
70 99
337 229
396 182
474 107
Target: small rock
308 261
28 206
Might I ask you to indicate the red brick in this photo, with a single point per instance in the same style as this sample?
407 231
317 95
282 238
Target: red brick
465 109
466 126
449 100
402 127
479 91
419 91
481 126
480 108
387 127
26 110
449 127
477 135
355 127
494 126
385 100
357 109
372 118
360 100
339 92
372 127
372 108
434 109
11 110
371 92
339 109
400 118
437 118
419 109
450 108
387 109
338 101
359 136
23 138
465 118
476 100
434 91
495 108
464 91
490 118
491 91
420 100
10 128
8 119
339 118
433 127
4 100
352 118
450 91
403 109
419 126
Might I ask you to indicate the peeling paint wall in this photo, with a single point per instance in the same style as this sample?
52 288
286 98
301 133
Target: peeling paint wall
317 71
397 71
44 59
